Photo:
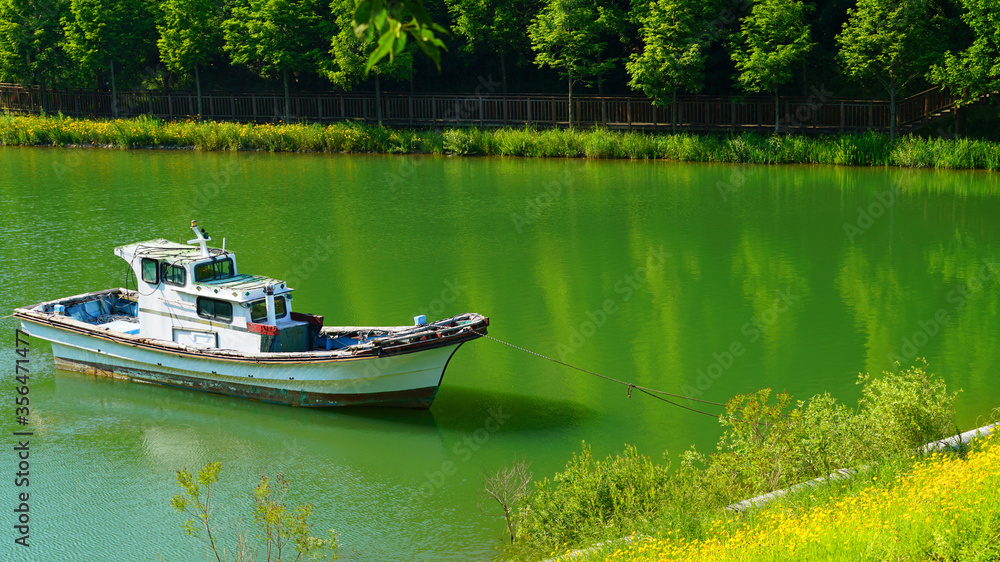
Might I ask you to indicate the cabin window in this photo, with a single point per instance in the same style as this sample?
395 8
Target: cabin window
258 312
213 309
174 274
214 270
150 271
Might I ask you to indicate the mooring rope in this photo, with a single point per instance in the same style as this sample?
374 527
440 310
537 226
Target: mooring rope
648 391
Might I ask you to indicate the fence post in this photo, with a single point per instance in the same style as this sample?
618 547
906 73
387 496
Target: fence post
480 111
434 110
410 98
628 112
528 121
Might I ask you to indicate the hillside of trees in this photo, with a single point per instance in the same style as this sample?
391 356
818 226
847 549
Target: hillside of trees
879 48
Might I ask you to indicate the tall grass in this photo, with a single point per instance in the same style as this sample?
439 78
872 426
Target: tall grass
867 149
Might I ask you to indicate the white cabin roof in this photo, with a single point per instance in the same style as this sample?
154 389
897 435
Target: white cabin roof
162 249
238 288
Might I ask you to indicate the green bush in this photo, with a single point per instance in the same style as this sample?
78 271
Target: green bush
592 497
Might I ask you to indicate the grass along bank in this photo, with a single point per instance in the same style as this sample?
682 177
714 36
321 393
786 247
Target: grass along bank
868 149
942 507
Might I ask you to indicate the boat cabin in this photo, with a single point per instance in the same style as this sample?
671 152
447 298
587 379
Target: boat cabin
194 295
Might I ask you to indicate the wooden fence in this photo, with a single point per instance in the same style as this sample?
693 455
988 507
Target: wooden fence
816 113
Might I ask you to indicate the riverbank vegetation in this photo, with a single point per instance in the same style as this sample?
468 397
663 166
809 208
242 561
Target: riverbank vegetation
869 149
769 442
279 532
942 507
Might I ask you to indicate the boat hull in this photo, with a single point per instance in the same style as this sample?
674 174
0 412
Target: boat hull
408 380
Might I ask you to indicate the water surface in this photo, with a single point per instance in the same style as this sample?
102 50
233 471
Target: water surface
691 278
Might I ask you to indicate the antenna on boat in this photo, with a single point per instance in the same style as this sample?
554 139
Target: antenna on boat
202 237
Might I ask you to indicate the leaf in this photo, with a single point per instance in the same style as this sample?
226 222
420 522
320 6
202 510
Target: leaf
385 43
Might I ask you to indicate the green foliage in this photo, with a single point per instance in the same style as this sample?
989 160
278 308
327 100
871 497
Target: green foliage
190 33
673 57
769 442
975 70
351 54
890 42
102 33
386 18
494 26
196 504
565 36
277 525
774 37
593 497
30 37
273 37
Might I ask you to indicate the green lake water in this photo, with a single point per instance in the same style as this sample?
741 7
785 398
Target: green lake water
690 278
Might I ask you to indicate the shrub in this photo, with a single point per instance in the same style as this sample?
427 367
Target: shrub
592 497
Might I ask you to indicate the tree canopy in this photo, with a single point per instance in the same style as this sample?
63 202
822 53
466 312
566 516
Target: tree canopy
565 37
975 70
275 37
889 42
774 38
673 56
662 48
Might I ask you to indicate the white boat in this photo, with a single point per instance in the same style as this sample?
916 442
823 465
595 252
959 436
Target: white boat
195 322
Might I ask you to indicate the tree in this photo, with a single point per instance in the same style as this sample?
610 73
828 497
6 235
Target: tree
773 38
673 56
275 37
886 41
976 70
100 33
508 486
190 35
30 37
350 55
493 26
564 36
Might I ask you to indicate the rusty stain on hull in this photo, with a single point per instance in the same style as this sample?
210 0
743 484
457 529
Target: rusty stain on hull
419 398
